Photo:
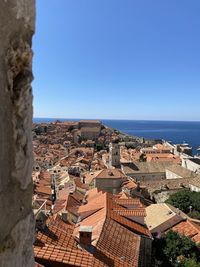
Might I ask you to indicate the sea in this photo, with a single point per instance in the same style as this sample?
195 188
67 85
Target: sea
175 131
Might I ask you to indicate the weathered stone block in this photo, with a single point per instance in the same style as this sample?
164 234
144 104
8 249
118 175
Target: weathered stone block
17 23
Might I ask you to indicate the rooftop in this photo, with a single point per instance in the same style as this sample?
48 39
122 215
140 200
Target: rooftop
166 184
189 229
101 205
56 244
146 167
110 174
181 171
161 216
90 128
195 181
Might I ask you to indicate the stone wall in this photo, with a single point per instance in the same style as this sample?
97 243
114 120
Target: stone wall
142 177
17 20
110 185
190 165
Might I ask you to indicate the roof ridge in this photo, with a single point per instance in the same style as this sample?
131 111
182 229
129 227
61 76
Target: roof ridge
111 214
193 225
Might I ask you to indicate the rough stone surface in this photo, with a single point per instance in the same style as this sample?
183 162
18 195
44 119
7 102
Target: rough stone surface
17 20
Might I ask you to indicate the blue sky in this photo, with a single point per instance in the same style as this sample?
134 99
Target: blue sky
117 59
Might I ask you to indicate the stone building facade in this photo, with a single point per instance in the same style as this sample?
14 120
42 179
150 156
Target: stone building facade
17 22
114 155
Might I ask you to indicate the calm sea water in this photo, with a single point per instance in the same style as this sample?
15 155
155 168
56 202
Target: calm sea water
175 131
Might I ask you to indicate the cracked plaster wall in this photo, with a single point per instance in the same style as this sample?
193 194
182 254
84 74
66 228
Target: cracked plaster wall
17 21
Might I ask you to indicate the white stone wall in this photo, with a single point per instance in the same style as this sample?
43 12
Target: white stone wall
114 155
172 175
194 188
191 165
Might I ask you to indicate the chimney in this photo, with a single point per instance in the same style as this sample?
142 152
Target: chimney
40 220
64 216
85 235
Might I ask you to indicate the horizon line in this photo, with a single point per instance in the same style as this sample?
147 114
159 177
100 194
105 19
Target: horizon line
167 120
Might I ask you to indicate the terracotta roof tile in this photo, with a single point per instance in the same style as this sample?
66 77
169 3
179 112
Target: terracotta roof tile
140 212
43 190
130 184
67 257
106 214
188 229
109 243
110 174
56 234
136 227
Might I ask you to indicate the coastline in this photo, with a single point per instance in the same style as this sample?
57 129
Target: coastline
176 132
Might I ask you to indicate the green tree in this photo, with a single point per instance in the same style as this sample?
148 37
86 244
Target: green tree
174 250
194 214
99 147
39 130
177 245
195 200
187 201
191 263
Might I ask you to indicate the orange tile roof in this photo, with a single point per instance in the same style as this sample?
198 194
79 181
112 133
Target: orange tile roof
131 201
45 175
123 195
188 229
73 205
112 237
79 184
110 174
57 245
114 208
43 190
68 257
130 185
56 234
140 212
162 147
94 194
63 193
59 205
134 226
77 196
107 235
94 204
44 179
96 220
59 242
43 183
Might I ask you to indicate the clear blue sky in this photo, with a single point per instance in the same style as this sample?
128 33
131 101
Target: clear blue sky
117 59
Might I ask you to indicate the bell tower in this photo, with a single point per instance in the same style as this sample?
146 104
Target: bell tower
114 155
